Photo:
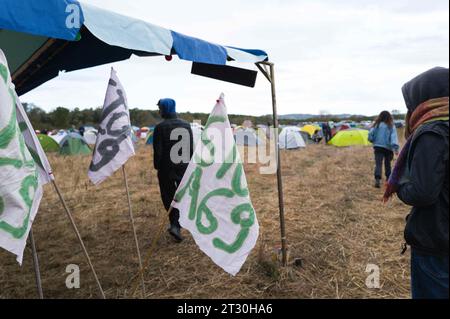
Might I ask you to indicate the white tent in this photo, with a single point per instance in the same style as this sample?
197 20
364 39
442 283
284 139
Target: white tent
291 138
91 136
58 137
248 137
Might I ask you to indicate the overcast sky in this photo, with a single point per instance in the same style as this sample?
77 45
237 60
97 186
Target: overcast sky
339 56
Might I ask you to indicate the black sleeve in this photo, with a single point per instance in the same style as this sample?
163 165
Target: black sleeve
191 142
428 171
157 148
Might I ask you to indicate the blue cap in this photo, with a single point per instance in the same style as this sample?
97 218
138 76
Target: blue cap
167 106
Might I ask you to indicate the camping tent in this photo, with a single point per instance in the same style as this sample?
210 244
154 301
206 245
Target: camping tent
248 137
310 129
350 138
306 137
58 137
74 144
150 136
290 138
47 143
91 136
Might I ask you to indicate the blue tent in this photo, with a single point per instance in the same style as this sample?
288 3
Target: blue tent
150 136
42 38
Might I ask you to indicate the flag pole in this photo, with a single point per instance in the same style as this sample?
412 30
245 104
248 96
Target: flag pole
74 226
134 229
37 271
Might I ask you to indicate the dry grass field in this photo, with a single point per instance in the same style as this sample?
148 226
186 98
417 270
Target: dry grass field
335 220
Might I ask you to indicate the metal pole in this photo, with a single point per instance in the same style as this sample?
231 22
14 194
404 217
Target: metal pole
279 176
74 226
37 271
134 230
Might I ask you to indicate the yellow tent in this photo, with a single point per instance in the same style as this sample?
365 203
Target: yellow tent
350 137
310 129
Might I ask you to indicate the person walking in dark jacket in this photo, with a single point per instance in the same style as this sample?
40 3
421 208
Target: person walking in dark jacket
420 179
383 136
173 149
326 128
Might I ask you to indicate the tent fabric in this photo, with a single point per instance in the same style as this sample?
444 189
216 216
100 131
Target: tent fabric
43 18
150 136
59 136
149 139
351 138
310 129
306 137
90 136
74 144
103 37
48 144
68 56
290 138
125 32
192 49
248 137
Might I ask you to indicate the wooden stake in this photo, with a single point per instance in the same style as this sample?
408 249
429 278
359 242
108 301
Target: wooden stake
37 271
74 226
279 176
271 77
134 230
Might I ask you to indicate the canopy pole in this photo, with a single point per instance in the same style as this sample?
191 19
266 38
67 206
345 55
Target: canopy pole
271 78
141 270
74 226
37 271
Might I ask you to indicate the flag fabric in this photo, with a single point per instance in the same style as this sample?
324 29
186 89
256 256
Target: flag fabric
33 145
213 197
114 145
20 187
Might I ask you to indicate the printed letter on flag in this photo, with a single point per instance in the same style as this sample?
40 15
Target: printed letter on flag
213 197
20 187
114 145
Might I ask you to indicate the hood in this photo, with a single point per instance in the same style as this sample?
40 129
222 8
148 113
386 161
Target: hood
428 85
167 107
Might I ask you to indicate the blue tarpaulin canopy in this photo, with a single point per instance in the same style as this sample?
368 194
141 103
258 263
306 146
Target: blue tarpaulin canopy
42 38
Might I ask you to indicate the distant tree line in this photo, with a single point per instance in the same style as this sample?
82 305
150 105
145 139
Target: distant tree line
63 118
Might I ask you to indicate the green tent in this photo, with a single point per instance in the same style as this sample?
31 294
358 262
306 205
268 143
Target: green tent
48 144
74 144
350 138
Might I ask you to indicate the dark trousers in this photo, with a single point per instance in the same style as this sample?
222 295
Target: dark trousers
429 276
168 186
386 156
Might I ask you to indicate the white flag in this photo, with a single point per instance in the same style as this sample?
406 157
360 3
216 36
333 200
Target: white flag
33 145
114 145
20 187
213 197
